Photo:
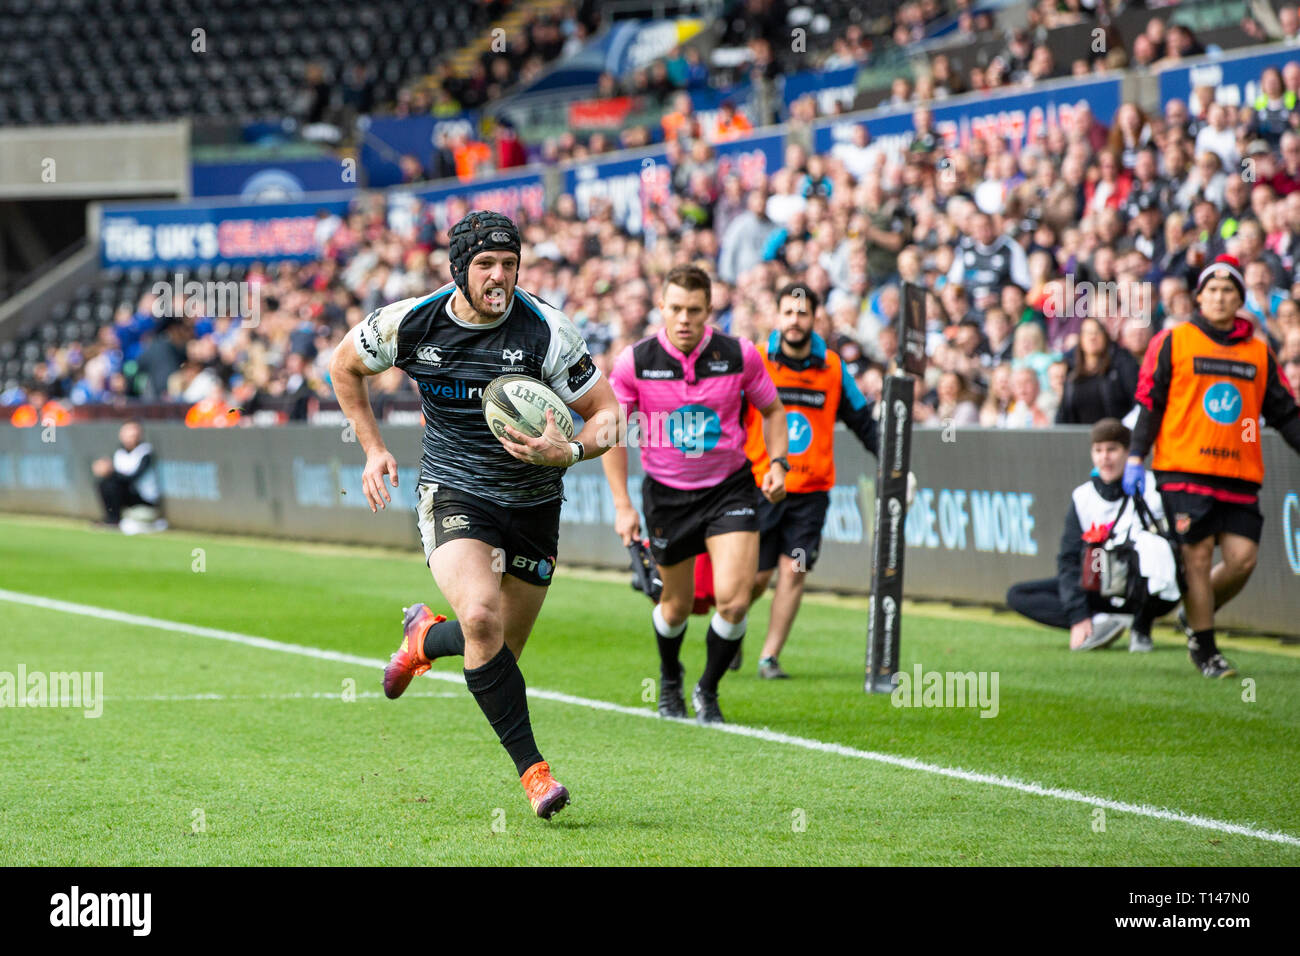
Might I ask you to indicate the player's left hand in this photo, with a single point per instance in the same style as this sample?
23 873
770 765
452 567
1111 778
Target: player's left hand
550 448
774 483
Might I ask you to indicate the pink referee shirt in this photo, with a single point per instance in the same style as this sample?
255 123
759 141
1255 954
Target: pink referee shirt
692 432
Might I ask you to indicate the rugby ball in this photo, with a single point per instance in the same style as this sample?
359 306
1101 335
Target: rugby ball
521 401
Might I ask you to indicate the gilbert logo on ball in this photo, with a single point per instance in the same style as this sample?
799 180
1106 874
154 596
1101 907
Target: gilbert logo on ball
521 402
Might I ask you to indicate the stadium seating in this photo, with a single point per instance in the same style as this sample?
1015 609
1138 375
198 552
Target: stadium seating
103 61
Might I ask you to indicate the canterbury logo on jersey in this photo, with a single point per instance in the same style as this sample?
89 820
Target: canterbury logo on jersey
427 353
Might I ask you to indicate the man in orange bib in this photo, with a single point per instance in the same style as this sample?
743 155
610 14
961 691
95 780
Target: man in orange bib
817 390
1203 386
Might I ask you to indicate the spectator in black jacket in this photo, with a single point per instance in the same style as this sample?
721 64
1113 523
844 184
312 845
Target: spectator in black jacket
1102 379
129 479
1095 508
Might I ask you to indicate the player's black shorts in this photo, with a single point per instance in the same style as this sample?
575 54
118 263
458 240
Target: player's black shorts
528 537
1196 517
792 526
679 520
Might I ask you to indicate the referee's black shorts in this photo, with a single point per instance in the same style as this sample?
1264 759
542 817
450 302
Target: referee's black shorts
679 520
1195 517
793 527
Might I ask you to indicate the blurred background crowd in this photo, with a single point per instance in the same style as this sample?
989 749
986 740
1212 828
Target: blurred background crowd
1049 264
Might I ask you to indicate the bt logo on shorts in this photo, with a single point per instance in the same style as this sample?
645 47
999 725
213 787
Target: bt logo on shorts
694 429
455 523
800 431
544 567
1223 403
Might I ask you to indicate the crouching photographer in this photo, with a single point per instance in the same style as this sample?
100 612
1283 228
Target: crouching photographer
1116 563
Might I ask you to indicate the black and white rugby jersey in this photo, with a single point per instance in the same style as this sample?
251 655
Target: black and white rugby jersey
452 362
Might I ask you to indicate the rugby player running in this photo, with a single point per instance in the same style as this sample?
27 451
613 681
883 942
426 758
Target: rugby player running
690 381
485 505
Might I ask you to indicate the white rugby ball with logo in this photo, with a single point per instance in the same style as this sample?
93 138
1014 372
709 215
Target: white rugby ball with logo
521 401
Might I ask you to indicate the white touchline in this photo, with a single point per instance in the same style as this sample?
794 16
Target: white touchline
320 695
757 733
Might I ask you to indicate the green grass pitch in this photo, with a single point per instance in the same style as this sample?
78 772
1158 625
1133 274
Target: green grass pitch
211 752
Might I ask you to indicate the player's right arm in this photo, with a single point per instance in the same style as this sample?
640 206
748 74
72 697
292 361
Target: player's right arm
1152 397
622 378
370 347
627 523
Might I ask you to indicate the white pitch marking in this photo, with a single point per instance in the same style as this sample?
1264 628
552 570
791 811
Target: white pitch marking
168 698
757 733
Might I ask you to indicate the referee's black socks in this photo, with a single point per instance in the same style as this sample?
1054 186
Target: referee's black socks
669 640
1202 644
498 686
720 643
444 639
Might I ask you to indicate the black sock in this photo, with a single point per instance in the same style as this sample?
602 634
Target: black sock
498 686
444 639
720 652
1202 644
670 652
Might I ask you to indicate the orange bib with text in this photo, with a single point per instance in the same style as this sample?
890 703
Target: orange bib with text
1211 422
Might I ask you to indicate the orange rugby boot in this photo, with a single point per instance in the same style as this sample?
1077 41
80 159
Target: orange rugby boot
545 793
408 661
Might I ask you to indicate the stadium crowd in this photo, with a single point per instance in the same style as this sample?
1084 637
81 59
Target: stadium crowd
760 32
1050 266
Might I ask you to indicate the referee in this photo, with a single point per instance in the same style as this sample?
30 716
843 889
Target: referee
690 381
1203 386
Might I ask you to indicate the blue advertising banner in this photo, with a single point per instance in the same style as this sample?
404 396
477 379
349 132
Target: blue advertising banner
175 234
515 195
828 86
284 181
633 185
1016 117
386 139
751 158
618 182
1235 79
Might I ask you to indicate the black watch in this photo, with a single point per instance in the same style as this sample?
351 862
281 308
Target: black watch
783 462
